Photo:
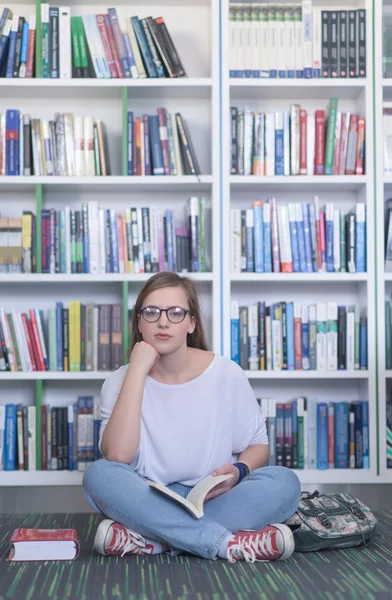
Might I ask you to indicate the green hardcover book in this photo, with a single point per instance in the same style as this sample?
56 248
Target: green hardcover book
330 143
343 260
52 339
83 48
15 342
300 432
388 356
45 41
76 55
357 338
202 228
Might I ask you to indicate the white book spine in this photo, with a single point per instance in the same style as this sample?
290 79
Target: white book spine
79 147
308 34
65 45
286 143
102 249
321 337
7 338
19 341
47 143
235 236
247 41
240 25
310 143
336 240
293 138
232 41
255 41
248 140
138 71
332 337
88 125
268 341
281 41
253 337
277 349
31 416
273 39
67 240
290 42
270 144
299 42
316 42
99 49
387 129
350 339
69 143
286 258
264 43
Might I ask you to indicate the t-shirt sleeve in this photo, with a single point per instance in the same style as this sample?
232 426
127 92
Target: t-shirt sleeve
248 421
109 394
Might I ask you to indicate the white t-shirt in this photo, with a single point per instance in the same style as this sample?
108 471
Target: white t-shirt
191 428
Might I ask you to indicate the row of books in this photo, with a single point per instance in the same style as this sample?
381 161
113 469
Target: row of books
160 145
103 46
97 240
308 434
290 336
65 145
69 436
296 41
298 238
80 337
297 142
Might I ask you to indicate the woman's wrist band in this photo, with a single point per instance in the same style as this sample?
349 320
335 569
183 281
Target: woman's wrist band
243 469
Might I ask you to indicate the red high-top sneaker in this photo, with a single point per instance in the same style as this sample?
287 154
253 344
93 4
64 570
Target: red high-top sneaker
274 542
113 539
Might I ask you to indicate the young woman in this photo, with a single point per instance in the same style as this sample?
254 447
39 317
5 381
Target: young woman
175 414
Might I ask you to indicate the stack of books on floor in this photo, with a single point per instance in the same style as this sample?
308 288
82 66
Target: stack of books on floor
290 336
309 434
69 436
102 46
97 240
296 41
298 238
297 142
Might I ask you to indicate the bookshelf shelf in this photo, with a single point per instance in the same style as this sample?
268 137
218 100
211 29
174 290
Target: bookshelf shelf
333 183
89 278
307 375
180 82
53 375
297 88
300 277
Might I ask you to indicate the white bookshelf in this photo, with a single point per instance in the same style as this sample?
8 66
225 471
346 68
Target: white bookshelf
383 184
345 192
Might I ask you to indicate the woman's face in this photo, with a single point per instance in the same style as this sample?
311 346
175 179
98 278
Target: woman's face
163 335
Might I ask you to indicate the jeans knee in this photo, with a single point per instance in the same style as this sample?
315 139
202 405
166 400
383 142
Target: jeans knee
93 473
289 483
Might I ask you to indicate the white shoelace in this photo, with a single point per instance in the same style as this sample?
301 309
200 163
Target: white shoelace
249 547
130 542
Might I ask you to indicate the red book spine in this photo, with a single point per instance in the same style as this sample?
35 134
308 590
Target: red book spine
44 438
164 140
44 535
303 120
298 343
331 439
30 54
113 47
34 328
322 241
106 45
343 143
138 148
360 147
29 342
320 142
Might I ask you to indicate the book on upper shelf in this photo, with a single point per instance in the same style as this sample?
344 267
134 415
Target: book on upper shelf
297 142
102 46
44 544
306 433
194 502
296 41
291 336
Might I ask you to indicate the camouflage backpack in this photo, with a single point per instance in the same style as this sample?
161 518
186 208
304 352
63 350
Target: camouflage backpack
328 521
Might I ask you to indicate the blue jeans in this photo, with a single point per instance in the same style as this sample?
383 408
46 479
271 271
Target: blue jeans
267 495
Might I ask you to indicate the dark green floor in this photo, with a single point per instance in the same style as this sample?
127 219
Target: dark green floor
333 575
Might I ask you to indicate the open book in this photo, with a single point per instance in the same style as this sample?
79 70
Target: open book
194 501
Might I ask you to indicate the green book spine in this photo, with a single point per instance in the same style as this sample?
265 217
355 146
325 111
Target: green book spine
15 342
76 55
202 245
83 47
52 339
357 338
45 41
330 144
343 260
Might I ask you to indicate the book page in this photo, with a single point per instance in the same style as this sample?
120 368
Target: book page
162 489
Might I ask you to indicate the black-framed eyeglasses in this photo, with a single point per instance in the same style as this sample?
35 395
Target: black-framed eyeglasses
175 314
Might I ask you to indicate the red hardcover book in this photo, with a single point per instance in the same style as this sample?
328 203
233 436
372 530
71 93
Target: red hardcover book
30 54
113 47
137 169
106 45
320 142
343 143
29 342
164 140
40 357
44 544
303 120
359 156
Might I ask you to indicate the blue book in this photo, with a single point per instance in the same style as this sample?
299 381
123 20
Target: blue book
169 240
307 238
131 60
130 142
305 342
70 413
301 238
267 240
363 344
360 238
258 236
59 332
156 147
294 239
329 257
86 249
120 43
322 435
279 144
4 45
114 240
235 332
144 47
249 229
25 44
12 49
12 142
358 428
365 434
4 17
10 438
290 335
341 435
